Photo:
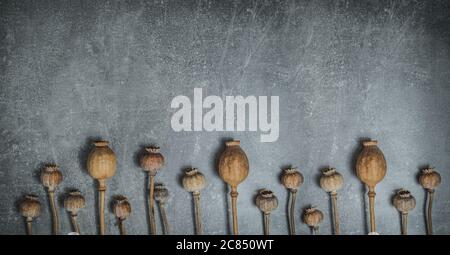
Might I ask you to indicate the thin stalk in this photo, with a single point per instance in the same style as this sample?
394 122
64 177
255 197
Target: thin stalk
404 223
335 212
162 208
101 207
55 220
122 227
234 194
266 223
151 204
291 214
29 226
73 219
198 220
372 209
314 230
429 212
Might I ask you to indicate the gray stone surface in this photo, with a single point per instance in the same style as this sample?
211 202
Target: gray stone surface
73 71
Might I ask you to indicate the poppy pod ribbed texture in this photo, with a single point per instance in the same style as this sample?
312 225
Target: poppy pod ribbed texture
404 202
101 165
73 202
233 169
291 178
194 182
51 177
122 209
161 196
266 202
151 162
429 179
313 217
331 181
30 208
371 168
233 164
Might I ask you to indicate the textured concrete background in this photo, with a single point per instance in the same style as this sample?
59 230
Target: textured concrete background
73 71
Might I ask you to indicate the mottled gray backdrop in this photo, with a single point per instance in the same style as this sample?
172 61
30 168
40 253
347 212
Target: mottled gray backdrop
75 71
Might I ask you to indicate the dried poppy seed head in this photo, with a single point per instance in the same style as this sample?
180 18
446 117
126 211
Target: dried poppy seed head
51 177
266 201
292 179
161 193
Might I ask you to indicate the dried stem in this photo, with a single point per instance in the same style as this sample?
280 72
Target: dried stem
122 227
73 219
198 219
429 212
101 207
314 230
29 226
404 223
372 209
234 194
55 220
162 208
291 213
335 212
151 204
266 223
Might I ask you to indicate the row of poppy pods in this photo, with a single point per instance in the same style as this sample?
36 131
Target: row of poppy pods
233 168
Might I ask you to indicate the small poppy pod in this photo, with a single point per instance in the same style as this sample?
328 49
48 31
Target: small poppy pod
121 207
429 178
74 202
51 177
291 178
312 217
161 193
152 160
30 207
266 201
193 180
404 201
331 180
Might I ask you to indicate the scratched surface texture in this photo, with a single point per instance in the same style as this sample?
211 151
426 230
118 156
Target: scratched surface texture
74 71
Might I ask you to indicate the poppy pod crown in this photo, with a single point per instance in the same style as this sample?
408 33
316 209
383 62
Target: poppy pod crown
291 178
51 176
161 193
331 180
121 207
30 207
266 201
193 180
152 160
312 217
74 201
429 178
404 201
